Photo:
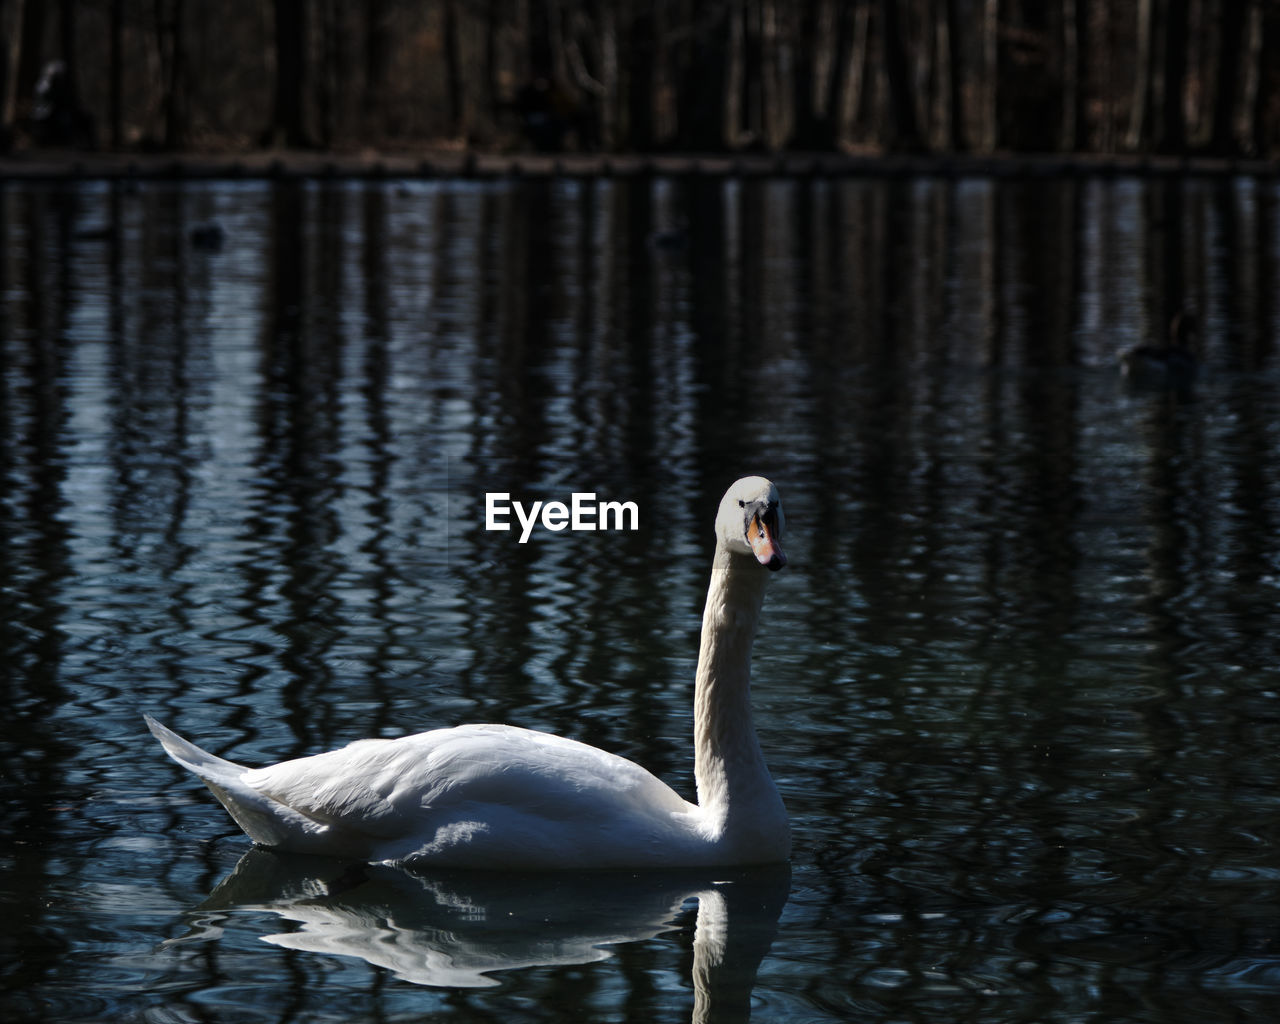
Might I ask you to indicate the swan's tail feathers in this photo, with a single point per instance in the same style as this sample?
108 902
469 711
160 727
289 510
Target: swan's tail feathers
191 757
263 819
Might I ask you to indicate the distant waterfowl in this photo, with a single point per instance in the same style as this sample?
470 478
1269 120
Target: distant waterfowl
1172 364
96 233
498 796
208 236
671 238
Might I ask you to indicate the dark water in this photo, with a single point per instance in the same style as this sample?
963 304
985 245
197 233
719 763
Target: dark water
1018 684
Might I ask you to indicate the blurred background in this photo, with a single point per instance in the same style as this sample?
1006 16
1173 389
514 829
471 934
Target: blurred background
1133 76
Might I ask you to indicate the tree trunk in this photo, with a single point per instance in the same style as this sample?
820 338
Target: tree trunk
640 65
288 124
115 101
1173 130
923 62
1030 110
377 53
991 74
542 63
29 39
804 127
610 106
1075 27
1143 74
955 133
6 84
8 76
750 125
839 82
775 108
67 40
453 70
1253 102
703 83
1231 20
860 60
175 105
334 72
903 130
489 71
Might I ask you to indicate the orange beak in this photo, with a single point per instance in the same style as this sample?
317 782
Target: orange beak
767 550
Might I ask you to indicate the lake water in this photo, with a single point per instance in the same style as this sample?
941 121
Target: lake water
1018 684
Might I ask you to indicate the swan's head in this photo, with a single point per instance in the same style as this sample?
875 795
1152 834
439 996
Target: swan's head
750 521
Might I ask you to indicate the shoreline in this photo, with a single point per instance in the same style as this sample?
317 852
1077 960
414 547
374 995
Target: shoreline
63 165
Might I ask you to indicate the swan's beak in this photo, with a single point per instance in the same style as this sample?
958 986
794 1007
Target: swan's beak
767 550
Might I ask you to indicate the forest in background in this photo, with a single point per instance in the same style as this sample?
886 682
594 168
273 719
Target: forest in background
1129 76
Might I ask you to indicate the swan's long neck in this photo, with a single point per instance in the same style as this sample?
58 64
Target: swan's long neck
728 765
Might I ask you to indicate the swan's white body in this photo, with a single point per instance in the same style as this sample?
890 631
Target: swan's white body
498 796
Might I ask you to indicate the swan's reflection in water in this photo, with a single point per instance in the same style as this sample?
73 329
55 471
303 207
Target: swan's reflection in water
454 929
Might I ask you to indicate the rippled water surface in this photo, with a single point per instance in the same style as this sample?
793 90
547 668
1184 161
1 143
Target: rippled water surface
1018 684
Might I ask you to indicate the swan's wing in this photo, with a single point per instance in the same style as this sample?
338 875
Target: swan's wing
395 788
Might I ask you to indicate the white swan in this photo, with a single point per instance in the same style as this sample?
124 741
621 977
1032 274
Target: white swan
497 796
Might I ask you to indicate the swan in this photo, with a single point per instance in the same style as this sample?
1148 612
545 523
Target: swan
504 797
